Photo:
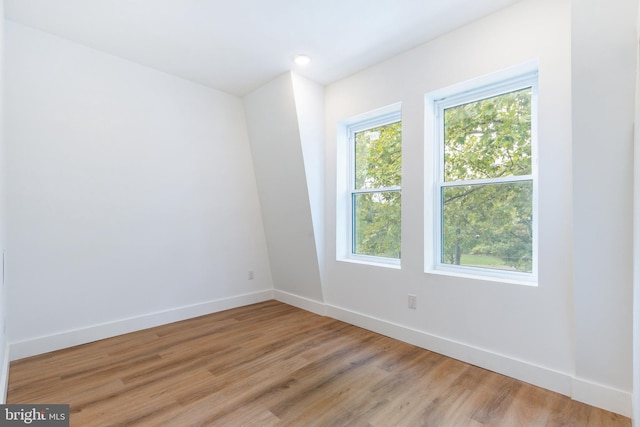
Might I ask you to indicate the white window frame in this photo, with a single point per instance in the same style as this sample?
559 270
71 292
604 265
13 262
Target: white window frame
346 183
435 109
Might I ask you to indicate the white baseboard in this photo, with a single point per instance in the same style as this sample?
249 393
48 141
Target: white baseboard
584 391
4 375
32 347
304 303
602 396
593 394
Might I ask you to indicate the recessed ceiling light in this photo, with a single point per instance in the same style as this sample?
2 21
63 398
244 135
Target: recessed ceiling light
301 59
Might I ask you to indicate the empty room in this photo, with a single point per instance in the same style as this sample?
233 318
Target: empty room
319 213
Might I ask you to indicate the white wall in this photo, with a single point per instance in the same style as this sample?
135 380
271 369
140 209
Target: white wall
636 241
636 255
131 196
309 102
276 146
4 356
636 250
604 50
523 331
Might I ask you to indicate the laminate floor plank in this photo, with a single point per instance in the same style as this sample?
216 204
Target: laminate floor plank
530 407
271 364
415 402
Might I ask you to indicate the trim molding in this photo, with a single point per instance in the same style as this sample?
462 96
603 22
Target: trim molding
304 303
44 344
598 395
4 375
602 396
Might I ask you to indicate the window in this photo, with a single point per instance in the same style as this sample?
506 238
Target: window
486 180
374 175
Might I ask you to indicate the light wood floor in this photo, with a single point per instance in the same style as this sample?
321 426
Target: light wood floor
271 364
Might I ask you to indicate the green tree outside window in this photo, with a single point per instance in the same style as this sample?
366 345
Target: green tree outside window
376 199
487 193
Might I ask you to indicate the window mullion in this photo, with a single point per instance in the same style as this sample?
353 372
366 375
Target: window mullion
504 179
376 190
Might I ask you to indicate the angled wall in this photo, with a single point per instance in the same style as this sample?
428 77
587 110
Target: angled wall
309 101
279 163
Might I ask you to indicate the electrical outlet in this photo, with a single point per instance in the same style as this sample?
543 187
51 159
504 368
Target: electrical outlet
250 274
413 301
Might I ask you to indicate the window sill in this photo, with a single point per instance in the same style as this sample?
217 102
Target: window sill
375 262
497 278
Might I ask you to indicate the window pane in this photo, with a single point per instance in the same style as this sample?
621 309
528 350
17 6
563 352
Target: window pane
489 138
488 226
378 159
376 224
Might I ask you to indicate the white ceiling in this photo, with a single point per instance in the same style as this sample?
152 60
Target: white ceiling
237 45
